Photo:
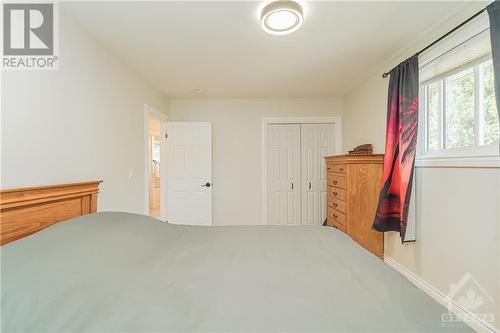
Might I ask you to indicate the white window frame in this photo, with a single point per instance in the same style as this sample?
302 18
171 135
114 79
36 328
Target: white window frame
476 156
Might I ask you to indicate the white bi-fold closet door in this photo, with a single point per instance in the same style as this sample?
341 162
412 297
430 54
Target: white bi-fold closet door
317 141
296 172
283 170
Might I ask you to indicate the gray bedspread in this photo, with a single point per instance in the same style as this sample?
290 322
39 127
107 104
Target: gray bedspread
123 272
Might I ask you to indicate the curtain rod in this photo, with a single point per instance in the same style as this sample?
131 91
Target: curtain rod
384 75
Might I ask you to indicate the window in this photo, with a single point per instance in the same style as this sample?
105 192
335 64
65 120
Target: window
458 114
433 110
460 110
489 114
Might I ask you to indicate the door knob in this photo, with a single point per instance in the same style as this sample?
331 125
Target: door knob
206 185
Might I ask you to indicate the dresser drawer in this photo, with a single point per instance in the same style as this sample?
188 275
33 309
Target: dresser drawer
339 226
337 181
338 217
334 223
337 193
337 168
337 204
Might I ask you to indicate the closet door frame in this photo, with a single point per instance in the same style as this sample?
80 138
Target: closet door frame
338 149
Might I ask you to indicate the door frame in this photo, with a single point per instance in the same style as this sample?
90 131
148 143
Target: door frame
150 111
336 121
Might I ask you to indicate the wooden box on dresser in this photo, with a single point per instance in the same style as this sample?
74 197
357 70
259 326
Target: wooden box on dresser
353 191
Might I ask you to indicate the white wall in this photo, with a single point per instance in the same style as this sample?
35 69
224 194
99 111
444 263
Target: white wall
82 122
457 209
237 140
365 115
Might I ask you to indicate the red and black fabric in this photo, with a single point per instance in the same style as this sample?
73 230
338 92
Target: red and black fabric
400 148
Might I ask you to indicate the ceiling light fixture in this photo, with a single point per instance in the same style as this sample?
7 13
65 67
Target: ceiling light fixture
281 17
199 91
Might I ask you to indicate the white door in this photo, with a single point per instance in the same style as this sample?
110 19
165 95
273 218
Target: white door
163 172
326 147
189 173
317 142
310 177
283 172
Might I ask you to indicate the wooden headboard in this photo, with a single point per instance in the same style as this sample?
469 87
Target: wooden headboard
24 211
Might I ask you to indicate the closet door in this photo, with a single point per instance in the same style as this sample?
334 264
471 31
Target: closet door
283 174
326 147
310 168
317 141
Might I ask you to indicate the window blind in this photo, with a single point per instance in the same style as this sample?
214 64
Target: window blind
464 46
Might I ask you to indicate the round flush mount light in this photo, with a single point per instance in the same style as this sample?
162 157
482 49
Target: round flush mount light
199 91
281 17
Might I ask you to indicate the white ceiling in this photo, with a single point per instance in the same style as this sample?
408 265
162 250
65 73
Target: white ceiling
220 47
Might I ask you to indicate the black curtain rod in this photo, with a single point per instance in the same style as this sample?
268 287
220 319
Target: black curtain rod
384 75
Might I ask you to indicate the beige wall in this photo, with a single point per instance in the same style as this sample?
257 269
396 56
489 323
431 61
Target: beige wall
84 121
365 121
237 140
457 209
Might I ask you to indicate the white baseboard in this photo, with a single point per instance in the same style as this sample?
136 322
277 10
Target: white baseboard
477 323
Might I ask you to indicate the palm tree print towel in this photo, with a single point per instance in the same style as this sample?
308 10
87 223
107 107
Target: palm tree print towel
400 148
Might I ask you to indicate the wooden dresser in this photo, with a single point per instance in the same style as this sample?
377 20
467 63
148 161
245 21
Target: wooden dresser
353 192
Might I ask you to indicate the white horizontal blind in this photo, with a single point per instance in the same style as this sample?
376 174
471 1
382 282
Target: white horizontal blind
464 46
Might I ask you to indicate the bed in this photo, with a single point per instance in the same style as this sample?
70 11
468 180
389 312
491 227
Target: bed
121 272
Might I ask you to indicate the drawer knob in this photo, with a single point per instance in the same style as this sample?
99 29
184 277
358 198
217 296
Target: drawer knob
341 169
335 215
335 193
335 182
334 204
